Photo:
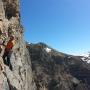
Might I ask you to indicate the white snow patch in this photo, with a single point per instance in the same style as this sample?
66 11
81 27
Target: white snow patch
48 49
86 59
29 43
69 57
83 58
85 54
76 81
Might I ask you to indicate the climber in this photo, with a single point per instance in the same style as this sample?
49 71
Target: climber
7 52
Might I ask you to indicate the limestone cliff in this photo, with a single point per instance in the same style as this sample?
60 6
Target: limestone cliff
20 77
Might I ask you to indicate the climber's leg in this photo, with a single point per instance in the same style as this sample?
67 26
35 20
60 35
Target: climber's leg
4 58
8 62
10 66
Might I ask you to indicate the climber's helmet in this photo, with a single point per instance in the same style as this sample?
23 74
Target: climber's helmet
12 38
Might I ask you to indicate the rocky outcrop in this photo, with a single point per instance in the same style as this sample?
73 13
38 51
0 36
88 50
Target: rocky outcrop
20 77
54 70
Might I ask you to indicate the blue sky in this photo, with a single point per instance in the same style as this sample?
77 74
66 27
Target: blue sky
62 24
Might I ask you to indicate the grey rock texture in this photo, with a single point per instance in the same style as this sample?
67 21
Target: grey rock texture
21 76
54 70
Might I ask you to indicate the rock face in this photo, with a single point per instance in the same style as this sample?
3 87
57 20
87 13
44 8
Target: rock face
20 77
58 71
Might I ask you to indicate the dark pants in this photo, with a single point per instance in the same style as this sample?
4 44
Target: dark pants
6 58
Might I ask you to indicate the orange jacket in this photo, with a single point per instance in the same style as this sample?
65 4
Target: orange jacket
9 46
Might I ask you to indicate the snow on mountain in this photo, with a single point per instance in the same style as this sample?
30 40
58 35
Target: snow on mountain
86 58
47 49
